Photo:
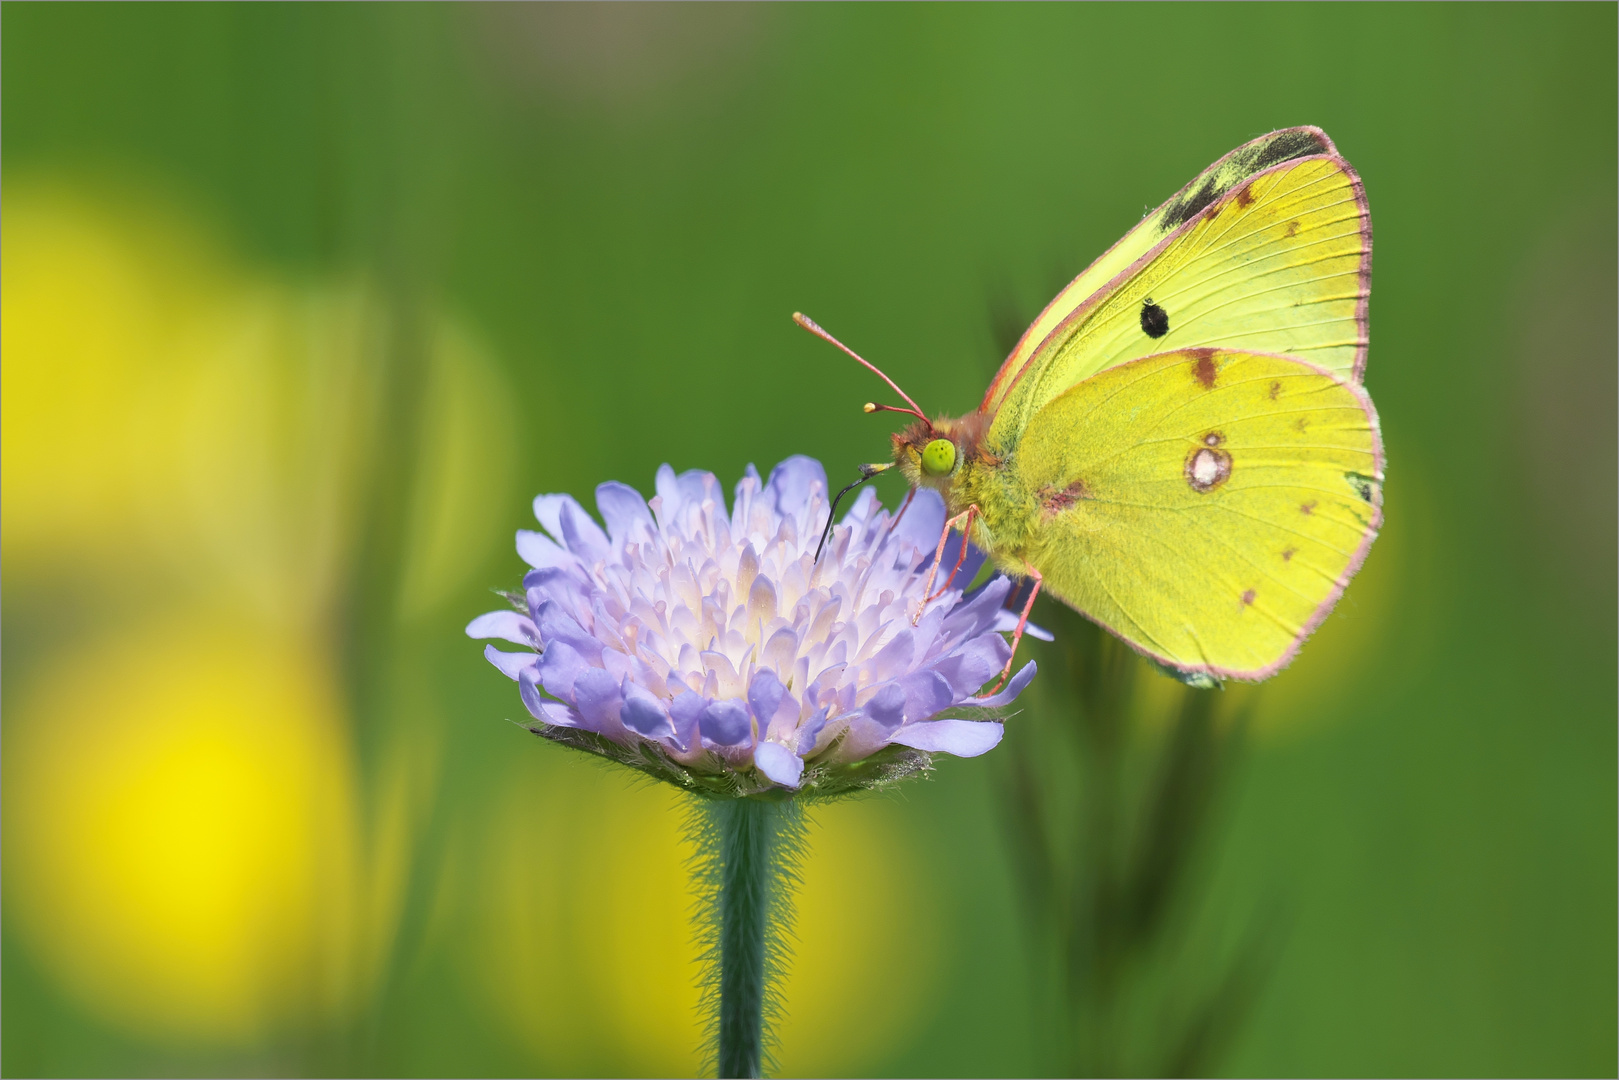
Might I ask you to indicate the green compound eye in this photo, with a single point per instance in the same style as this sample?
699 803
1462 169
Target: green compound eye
939 457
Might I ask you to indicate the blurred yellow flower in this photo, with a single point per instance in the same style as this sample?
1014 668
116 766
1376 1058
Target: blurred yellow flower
185 445
179 828
95 309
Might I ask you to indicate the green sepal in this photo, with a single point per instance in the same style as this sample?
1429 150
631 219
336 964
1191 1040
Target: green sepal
821 780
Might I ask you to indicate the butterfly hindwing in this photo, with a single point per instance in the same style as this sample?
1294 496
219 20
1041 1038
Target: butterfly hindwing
1206 505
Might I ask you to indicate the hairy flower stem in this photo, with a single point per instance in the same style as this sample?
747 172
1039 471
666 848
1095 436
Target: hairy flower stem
745 840
757 843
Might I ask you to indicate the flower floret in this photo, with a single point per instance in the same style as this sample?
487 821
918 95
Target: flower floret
708 645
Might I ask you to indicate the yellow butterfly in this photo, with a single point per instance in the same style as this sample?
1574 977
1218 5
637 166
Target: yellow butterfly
1179 448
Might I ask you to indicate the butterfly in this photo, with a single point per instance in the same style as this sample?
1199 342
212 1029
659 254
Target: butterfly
1180 447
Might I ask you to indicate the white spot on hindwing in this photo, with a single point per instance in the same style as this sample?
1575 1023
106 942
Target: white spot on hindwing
1207 468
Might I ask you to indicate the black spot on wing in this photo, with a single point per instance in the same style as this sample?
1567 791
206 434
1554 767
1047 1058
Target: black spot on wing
1154 319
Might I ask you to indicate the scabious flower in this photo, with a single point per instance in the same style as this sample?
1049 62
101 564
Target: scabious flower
710 648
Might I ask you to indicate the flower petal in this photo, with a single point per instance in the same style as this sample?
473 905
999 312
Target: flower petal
963 738
779 763
686 711
1013 689
645 714
511 664
792 482
742 499
689 488
811 731
978 611
533 700
559 714
894 658
726 723
622 508
565 584
1006 623
765 692
864 505
974 663
506 626
922 524
581 534
559 669
780 651
887 707
927 694
548 512
540 551
597 697
555 625
668 492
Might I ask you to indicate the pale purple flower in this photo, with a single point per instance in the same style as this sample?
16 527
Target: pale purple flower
710 648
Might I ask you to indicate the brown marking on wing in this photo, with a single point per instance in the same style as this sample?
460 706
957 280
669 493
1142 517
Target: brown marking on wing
1248 598
1288 553
1203 369
1245 197
1275 388
1292 228
1307 508
1300 425
1056 500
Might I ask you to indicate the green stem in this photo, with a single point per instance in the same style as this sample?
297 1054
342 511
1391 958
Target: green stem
752 847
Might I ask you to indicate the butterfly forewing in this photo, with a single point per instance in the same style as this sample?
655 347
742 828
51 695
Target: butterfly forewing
1212 183
1280 264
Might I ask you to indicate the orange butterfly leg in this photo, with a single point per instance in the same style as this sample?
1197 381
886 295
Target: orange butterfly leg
961 557
1023 621
966 520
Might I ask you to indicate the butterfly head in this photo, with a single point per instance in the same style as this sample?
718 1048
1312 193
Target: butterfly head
932 452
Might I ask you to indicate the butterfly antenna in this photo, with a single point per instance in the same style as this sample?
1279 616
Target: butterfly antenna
866 473
872 407
915 410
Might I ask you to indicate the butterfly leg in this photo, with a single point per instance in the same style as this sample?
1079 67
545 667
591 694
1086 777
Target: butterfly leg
1023 621
965 519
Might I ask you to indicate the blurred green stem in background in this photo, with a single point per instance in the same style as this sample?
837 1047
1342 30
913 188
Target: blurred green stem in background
748 850
1108 862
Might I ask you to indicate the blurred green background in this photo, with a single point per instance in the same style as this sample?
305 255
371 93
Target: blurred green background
303 303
